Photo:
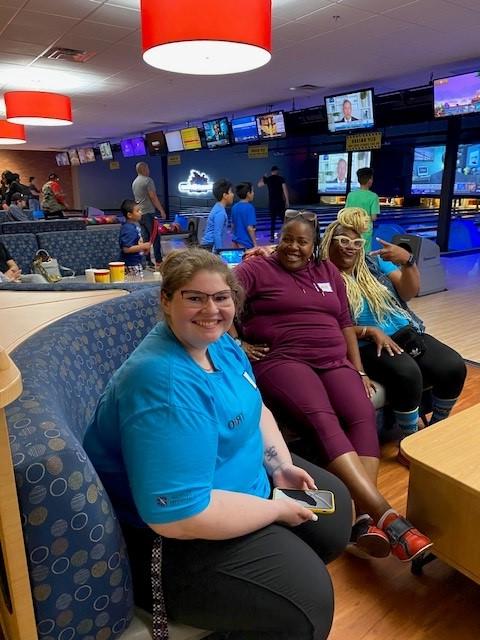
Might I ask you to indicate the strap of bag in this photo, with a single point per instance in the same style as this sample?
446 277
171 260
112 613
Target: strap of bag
160 624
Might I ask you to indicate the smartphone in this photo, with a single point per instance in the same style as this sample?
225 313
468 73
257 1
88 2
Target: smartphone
317 500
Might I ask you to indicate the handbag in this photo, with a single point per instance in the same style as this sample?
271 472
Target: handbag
410 341
48 267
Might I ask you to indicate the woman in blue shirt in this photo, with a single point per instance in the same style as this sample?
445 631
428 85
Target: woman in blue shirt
189 454
394 347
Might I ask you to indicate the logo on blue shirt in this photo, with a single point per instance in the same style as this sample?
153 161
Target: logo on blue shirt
236 422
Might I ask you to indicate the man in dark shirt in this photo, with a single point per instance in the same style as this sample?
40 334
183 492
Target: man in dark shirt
15 212
278 199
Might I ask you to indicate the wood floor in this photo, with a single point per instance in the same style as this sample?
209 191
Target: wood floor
452 315
382 600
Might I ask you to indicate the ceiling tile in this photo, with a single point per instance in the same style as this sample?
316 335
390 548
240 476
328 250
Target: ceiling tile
105 32
438 15
6 14
293 9
470 4
14 46
116 17
27 27
378 6
67 8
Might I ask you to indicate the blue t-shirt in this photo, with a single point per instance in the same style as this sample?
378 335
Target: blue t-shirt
130 235
217 223
243 216
165 432
392 322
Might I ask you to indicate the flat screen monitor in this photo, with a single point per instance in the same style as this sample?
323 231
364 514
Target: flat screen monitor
360 159
133 147
245 129
174 141
191 139
271 125
333 168
457 95
86 155
74 159
350 111
232 257
62 159
105 151
217 132
467 173
156 143
427 172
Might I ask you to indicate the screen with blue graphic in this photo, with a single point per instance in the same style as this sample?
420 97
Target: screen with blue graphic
245 129
332 171
217 132
427 172
133 147
467 173
457 95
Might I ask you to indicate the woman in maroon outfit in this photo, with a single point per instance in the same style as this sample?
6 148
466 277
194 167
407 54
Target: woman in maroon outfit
299 335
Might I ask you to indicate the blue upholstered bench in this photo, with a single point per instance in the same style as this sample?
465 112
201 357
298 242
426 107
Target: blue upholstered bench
77 562
43 226
80 250
22 248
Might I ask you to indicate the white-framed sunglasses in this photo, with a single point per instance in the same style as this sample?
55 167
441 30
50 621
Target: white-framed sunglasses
345 242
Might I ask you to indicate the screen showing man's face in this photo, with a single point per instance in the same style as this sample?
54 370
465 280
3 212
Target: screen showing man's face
347 109
341 170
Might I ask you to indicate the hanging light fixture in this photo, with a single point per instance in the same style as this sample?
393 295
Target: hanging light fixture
12 133
38 108
210 37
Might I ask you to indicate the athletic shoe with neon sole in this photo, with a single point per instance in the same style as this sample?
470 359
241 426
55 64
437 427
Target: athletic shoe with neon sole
368 541
407 543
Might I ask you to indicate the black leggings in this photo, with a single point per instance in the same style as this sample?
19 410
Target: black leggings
404 377
268 585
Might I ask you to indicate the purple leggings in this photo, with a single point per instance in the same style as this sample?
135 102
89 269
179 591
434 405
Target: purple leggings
331 402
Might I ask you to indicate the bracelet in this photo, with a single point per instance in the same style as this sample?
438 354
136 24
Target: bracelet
362 374
363 333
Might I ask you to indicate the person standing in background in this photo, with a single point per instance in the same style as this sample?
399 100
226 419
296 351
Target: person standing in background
367 200
53 198
244 217
34 199
278 199
145 195
217 221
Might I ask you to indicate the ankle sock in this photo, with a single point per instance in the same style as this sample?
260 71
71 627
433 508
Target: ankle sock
407 421
387 518
441 409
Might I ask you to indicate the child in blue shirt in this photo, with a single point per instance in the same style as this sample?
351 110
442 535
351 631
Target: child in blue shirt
132 246
217 222
244 217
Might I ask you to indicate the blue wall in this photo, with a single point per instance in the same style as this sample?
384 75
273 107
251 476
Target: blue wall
233 163
105 188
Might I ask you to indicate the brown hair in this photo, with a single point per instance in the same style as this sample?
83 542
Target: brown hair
180 266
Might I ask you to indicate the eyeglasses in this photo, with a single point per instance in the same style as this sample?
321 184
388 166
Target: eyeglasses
199 299
309 216
345 242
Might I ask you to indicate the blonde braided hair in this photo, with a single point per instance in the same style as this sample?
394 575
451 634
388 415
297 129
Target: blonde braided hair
360 283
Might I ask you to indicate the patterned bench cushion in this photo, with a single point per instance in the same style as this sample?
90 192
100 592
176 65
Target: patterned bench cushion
22 247
80 250
76 553
43 226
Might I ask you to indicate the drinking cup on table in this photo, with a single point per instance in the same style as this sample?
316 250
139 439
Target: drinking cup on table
102 275
117 271
90 275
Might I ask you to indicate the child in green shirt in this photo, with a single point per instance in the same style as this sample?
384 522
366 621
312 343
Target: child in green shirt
365 199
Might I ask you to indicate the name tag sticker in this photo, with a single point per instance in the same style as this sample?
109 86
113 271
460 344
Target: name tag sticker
326 287
249 379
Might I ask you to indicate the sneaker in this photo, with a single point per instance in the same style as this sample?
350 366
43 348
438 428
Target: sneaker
407 543
368 541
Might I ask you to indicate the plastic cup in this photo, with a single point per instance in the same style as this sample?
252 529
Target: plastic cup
90 275
102 275
117 271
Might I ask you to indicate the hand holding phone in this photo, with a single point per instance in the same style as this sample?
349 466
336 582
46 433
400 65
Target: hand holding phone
316 500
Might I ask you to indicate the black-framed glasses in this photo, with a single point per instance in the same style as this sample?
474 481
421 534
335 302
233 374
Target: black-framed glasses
345 242
308 216
199 299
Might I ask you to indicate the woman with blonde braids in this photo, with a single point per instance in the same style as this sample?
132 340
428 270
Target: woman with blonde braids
298 333
394 347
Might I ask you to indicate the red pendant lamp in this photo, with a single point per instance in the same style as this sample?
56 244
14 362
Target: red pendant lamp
206 37
38 108
12 133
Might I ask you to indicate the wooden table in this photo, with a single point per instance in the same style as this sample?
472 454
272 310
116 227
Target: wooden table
23 313
444 488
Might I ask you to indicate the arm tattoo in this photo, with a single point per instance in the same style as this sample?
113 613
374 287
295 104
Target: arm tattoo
270 454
